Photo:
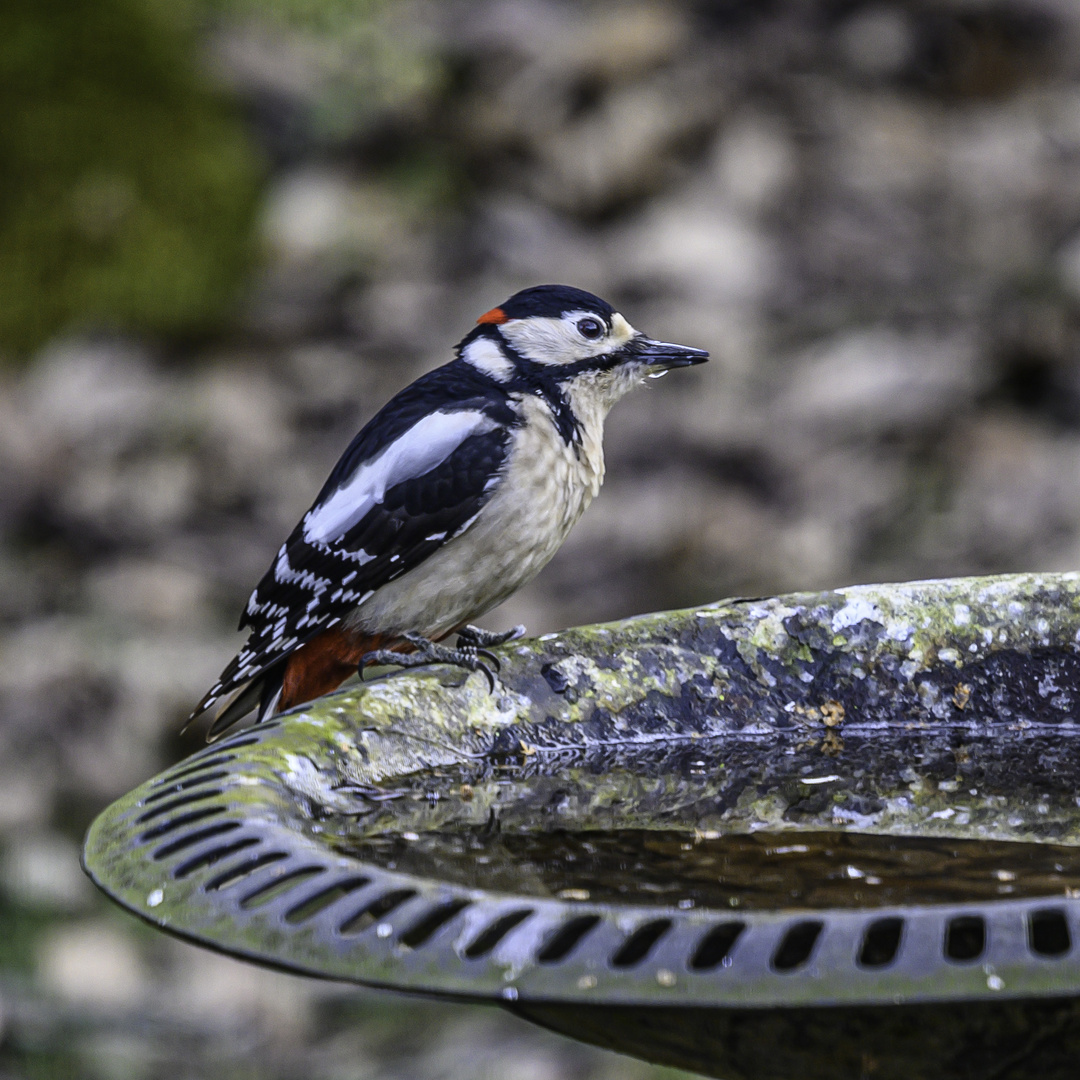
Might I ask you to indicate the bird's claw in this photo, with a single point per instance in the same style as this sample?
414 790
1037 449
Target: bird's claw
474 637
468 656
476 664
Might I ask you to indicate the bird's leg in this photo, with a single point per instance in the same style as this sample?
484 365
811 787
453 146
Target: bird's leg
468 656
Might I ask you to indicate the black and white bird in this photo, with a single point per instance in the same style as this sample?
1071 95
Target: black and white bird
454 495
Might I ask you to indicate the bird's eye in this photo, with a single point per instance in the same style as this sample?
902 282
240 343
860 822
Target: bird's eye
590 328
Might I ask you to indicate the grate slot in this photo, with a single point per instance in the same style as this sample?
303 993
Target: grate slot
566 938
492 934
797 945
431 923
243 870
881 942
195 837
213 856
178 822
965 938
373 912
175 789
1048 932
640 943
714 947
183 800
198 767
313 905
274 890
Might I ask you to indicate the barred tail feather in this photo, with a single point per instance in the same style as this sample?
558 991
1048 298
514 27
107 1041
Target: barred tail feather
262 693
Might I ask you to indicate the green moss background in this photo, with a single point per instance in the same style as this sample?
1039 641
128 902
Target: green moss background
127 186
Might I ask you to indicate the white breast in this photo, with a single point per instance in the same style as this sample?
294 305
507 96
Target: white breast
545 489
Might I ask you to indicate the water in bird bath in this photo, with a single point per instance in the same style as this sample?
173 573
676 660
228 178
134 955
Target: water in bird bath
756 871
676 828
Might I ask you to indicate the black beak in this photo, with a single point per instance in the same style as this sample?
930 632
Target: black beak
665 355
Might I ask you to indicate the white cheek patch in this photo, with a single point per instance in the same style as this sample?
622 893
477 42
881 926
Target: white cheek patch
486 356
427 444
556 341
545 340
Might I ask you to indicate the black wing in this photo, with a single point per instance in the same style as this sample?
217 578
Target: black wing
313 584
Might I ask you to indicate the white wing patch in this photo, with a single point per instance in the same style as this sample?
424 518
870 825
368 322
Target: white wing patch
428 443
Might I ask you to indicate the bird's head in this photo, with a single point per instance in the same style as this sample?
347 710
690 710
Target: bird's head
569 336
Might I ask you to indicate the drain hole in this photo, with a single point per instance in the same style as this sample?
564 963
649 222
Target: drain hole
1048 932
183 819
421 931
195 837
560 944
175 789
245 869
266 894
485 941
214 855
322 900
715 946
639 944
797 945
881 942
184 800
965 938
374 911
198 767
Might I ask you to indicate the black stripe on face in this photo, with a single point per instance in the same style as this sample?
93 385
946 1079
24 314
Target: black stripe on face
603 362
543 380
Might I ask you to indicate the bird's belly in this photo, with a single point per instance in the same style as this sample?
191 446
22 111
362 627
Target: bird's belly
545 490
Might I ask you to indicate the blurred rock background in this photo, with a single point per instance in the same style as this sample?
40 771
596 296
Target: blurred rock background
231 229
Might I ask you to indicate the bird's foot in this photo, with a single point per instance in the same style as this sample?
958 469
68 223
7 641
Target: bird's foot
467 655
475 638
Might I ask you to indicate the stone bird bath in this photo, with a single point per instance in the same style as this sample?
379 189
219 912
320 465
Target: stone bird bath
822 835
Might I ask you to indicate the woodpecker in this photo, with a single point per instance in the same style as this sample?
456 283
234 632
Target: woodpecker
450 499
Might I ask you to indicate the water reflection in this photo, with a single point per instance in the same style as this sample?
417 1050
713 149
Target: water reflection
760 871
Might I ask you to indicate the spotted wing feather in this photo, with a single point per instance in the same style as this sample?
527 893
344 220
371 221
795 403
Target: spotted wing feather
313 585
